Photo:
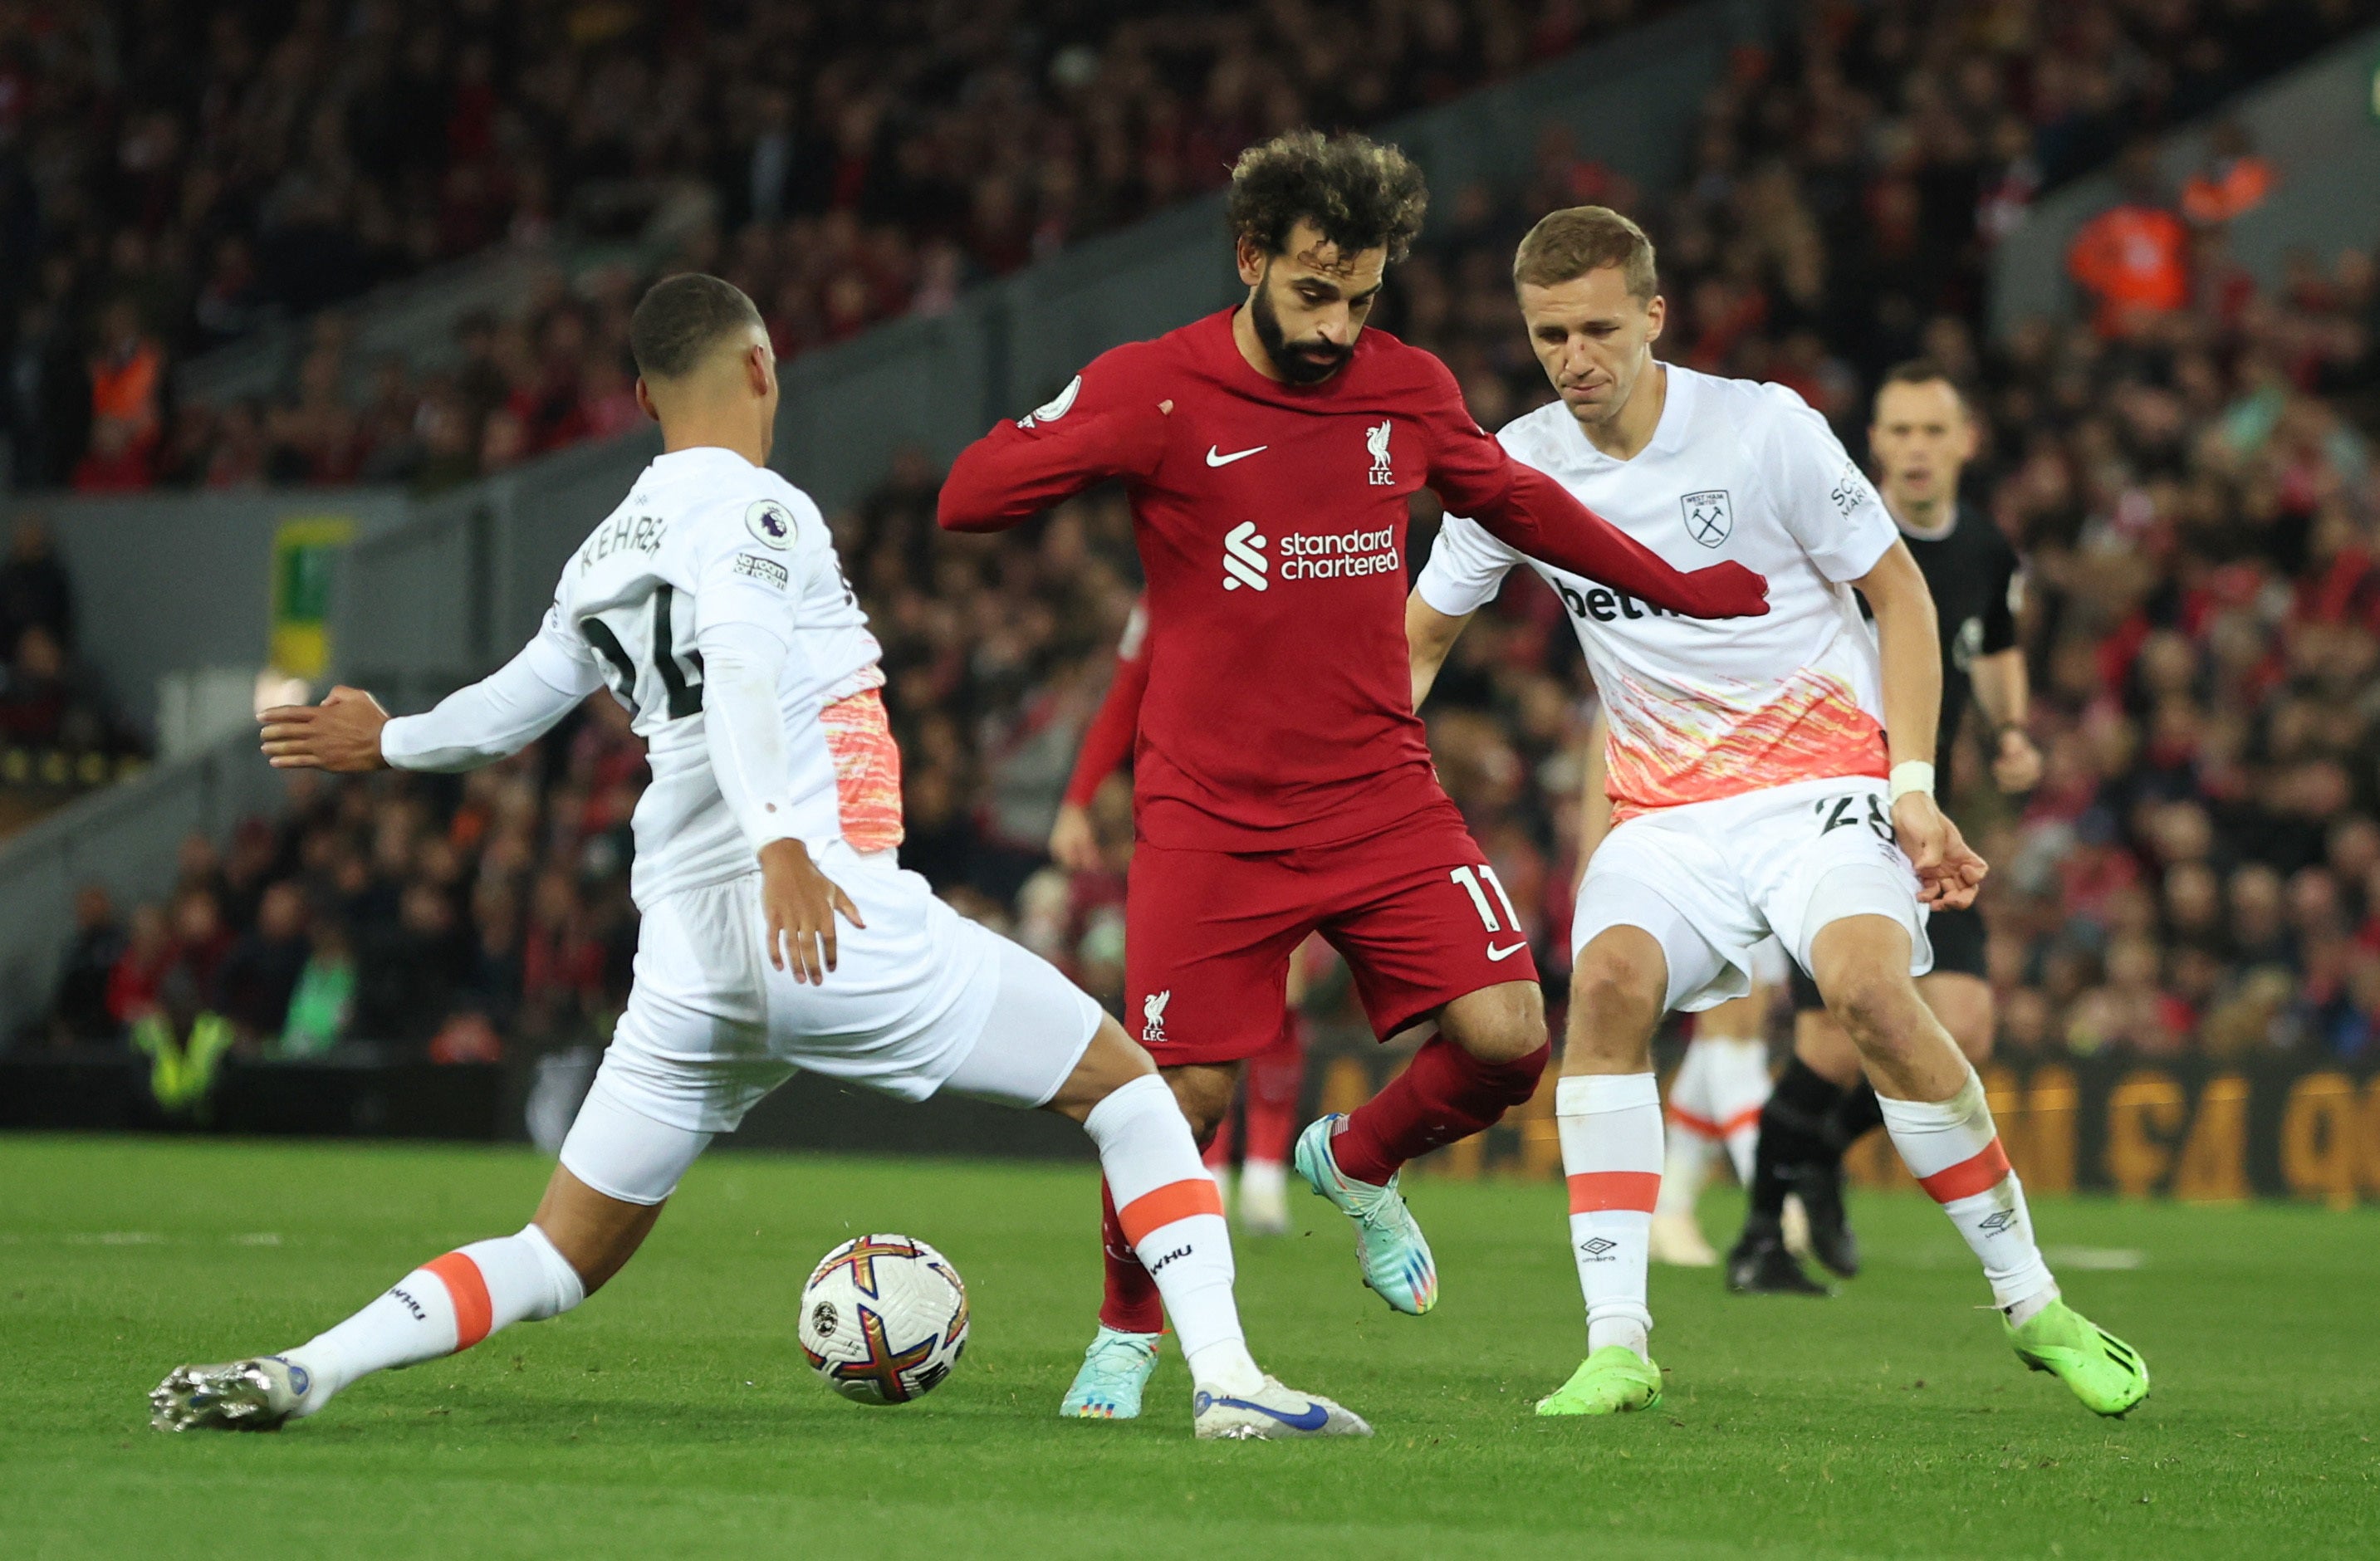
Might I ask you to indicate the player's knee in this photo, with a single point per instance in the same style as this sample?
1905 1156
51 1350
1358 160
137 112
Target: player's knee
1619 988
1111 1060
1876 1007
1497 1026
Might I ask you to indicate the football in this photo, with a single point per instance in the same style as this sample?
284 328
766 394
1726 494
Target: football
884 1318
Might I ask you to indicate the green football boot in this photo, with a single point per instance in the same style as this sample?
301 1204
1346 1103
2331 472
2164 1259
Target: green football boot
1614 1380
2108 1374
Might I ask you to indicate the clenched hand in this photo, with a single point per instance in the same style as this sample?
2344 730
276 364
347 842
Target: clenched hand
1727 589
800 904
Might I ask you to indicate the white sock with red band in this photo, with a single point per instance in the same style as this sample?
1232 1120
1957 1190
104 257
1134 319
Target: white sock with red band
1737 1087
1611 1126
1693 1135
1715 1100
1954 1152
448 1304
1172 1214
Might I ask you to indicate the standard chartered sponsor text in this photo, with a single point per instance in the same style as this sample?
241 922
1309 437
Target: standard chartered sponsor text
1337 555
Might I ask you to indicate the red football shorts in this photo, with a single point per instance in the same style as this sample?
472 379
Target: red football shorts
1415 909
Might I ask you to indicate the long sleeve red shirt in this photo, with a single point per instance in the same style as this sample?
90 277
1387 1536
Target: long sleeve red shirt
1108 740
1271 521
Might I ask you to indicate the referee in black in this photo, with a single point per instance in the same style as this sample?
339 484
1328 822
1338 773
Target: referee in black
1920 439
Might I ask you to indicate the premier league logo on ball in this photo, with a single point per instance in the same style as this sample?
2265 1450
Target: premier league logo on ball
1708 518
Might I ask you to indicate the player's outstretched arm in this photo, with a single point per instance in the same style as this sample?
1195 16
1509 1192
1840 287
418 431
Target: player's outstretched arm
1529 511
341 735
1948 869
498 716
1105 425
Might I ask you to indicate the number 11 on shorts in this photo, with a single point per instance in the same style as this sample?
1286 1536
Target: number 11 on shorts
1469 878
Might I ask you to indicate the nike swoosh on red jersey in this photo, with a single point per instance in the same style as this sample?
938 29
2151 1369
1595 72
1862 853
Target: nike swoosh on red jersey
1496 953
1215 460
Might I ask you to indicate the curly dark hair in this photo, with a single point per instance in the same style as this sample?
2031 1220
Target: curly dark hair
1360 193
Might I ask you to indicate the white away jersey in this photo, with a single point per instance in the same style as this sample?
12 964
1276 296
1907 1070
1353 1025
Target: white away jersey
1711 708
705 539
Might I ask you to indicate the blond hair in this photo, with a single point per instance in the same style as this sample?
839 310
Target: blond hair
1568 244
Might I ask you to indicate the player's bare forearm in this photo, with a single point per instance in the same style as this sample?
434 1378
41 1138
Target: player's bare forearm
341 735
1594 793
2001 689
1909 644
1429 636
1013 474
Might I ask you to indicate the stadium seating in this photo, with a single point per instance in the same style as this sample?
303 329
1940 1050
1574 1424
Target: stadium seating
2202 871
842 165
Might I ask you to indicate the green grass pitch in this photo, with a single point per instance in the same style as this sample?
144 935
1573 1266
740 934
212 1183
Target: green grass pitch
673 1416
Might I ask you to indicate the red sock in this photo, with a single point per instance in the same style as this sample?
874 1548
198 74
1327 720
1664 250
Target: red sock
1446 1093
1276 1076
1131 1304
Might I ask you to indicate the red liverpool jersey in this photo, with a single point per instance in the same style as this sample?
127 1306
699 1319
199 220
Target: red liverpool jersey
1271 525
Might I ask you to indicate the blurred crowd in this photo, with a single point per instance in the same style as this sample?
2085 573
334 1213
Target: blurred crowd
846 164
438 916
2184 456
50 699
173 176
2186 459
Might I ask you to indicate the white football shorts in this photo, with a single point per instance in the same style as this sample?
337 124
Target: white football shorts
1710 880
921 999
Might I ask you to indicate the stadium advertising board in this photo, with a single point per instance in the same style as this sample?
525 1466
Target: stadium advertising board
2197 1129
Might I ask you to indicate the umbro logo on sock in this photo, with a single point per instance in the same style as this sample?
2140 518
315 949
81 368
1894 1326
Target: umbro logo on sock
1595 1246
1997 1222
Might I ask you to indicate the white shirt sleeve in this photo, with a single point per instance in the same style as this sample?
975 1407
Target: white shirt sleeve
1825 502
746 563
1466 568
501 713
745 728
744 598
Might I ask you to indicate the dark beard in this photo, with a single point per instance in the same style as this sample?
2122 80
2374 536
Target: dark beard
1292 360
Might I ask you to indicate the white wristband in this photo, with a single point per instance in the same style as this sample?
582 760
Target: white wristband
1910 775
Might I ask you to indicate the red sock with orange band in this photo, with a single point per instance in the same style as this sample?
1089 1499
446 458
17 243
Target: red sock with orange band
1170 1213
1954 1152
448 1304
